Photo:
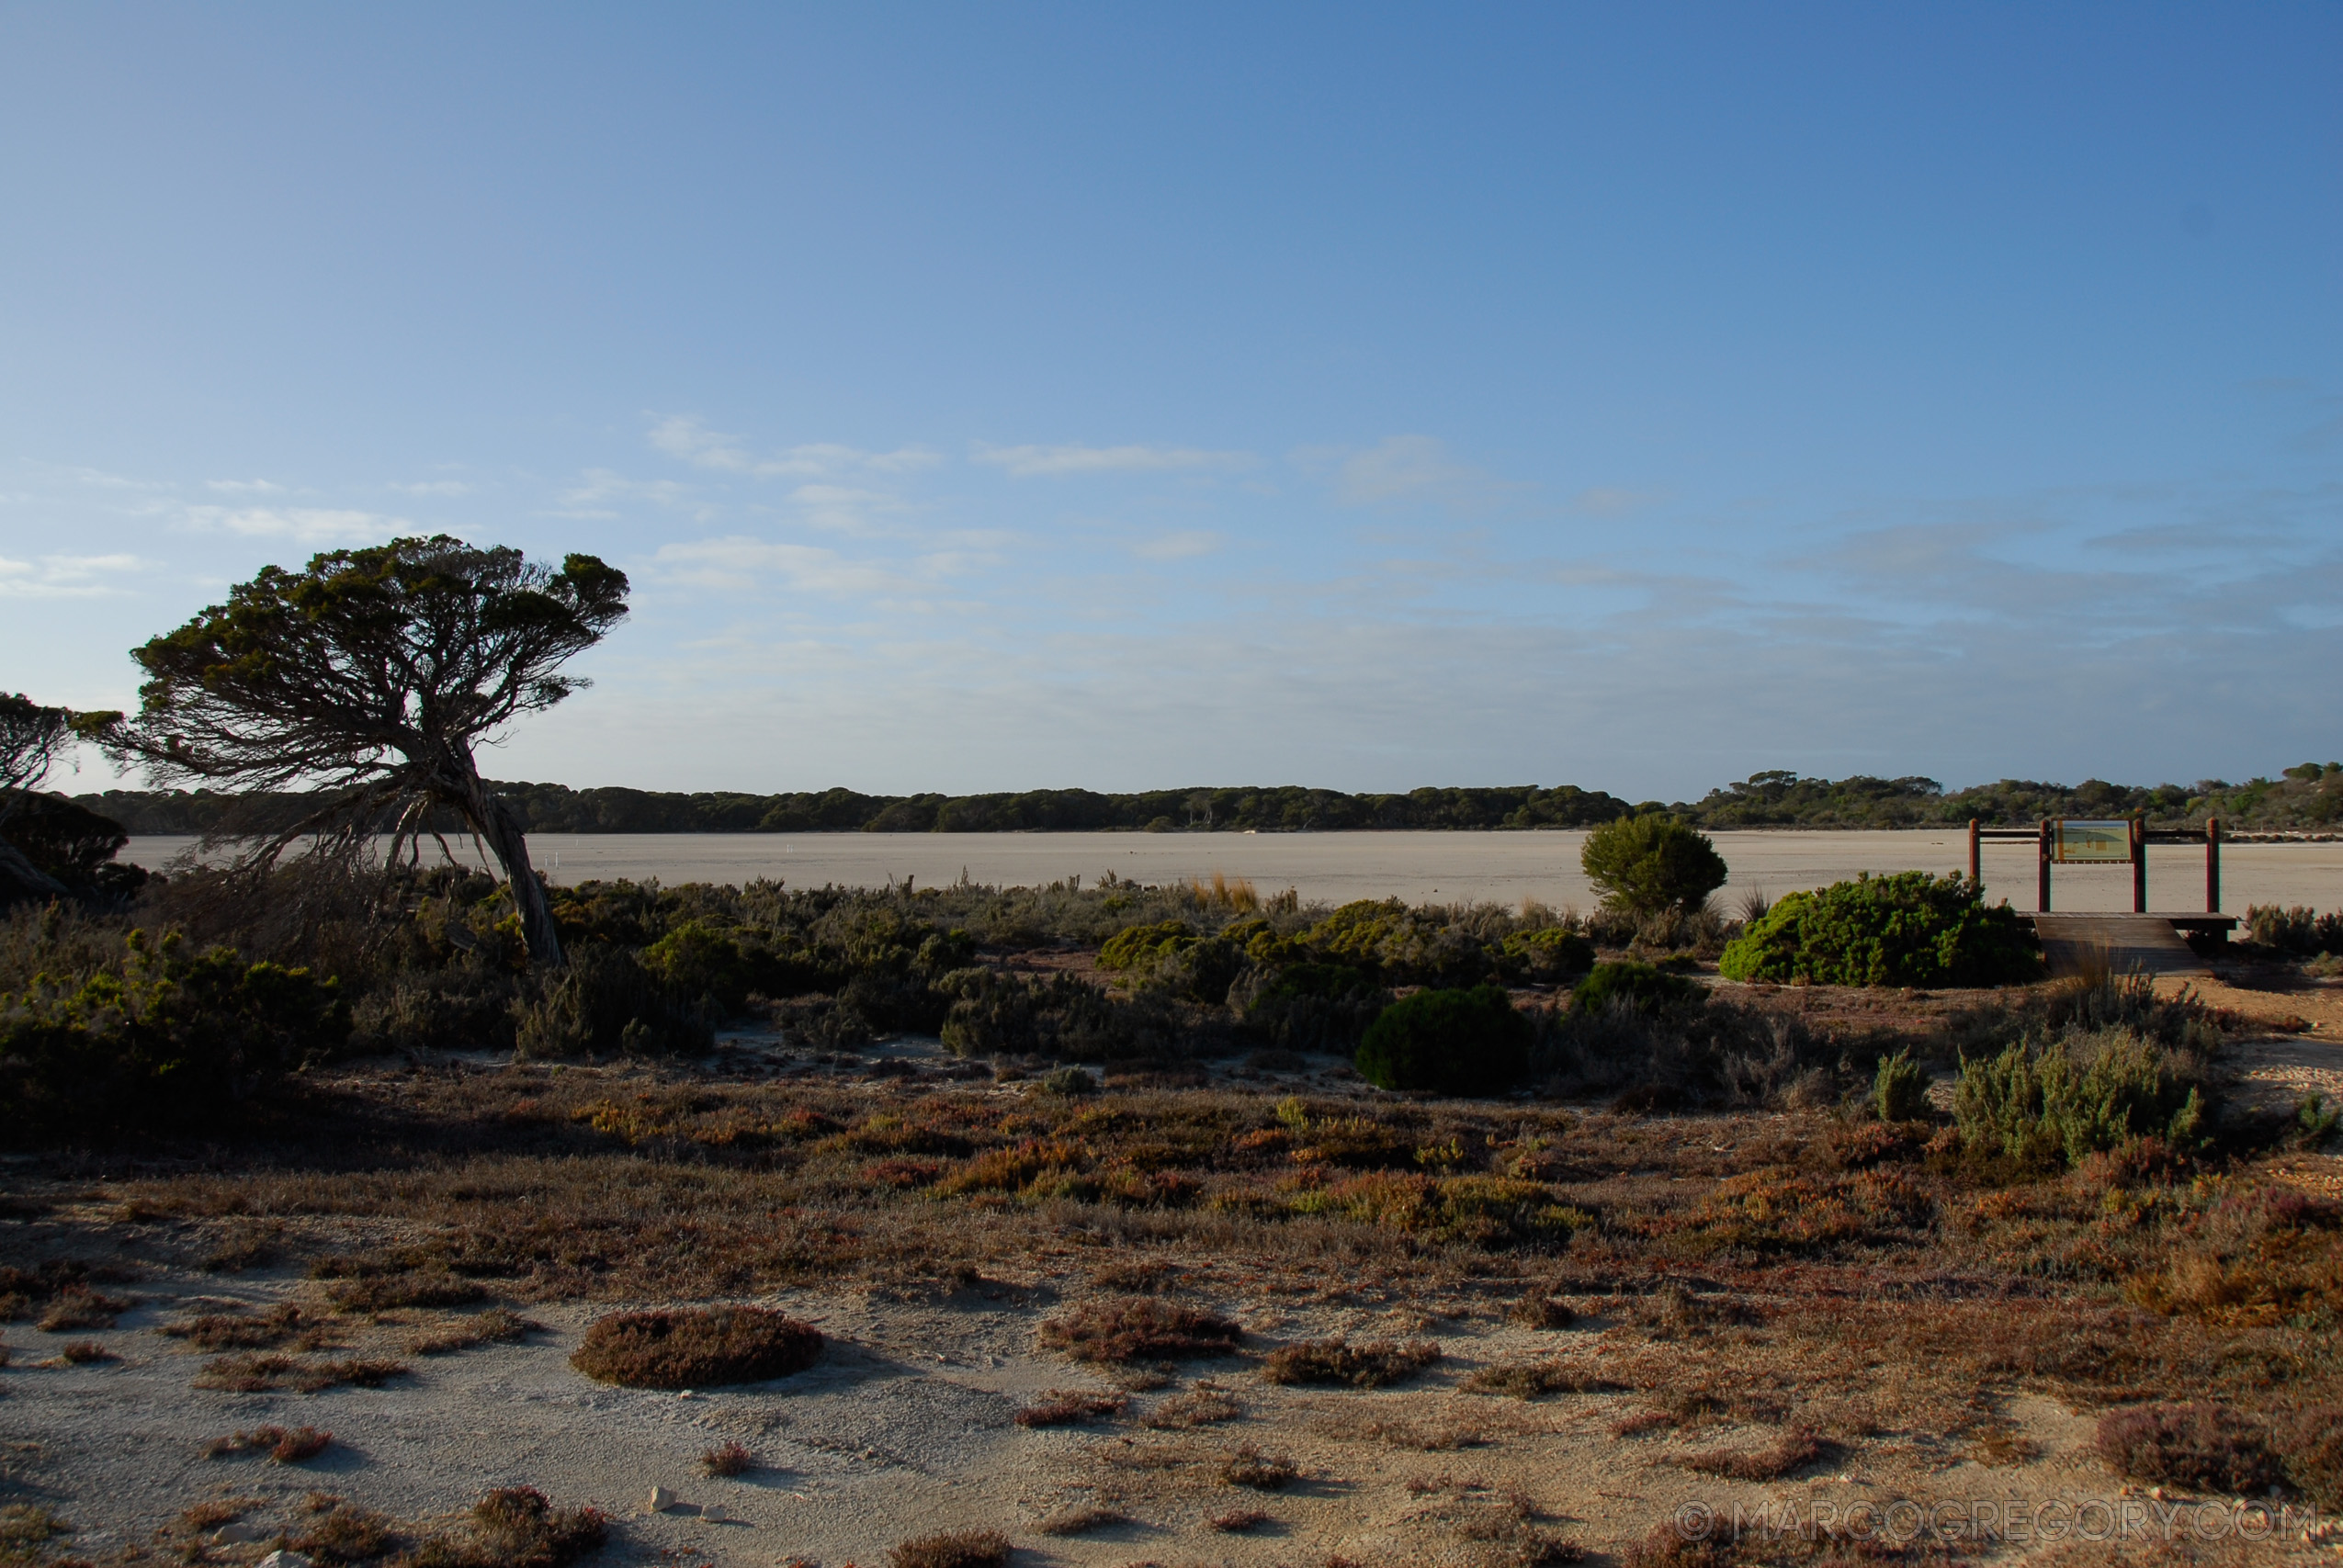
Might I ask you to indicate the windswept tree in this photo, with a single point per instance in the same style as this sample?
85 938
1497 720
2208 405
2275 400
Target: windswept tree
32 737
368 679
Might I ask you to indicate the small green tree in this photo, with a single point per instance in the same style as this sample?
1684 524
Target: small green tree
1647 864
369 677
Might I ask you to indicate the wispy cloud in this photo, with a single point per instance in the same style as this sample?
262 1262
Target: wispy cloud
685 438
1185 544
244 487
302 525
1405 469
62 576
739 562
1031 462
598 489
434 487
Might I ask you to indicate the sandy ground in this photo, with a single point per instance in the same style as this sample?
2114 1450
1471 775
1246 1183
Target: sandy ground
1417 867
906 1425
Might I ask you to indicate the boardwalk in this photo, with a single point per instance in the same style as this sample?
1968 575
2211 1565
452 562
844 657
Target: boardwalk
2073 943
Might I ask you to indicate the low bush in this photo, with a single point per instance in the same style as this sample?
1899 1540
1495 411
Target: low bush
262 1375
2204 1447
952 1549
163 1041
1060 1408
696 1347
1650 863
1309 1007
2300 930
1910 928
515 1526
1899 1088
1264 1473
1531 1380
2040 1104
341 1532
1129 1329
1372 1365
1545 956
386 1293
1449 1041
604 1002
284 1447
1638 985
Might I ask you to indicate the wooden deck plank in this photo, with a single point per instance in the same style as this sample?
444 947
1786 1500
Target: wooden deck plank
2071 943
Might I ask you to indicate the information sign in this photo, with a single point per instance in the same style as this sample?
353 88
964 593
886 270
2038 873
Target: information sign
2090 842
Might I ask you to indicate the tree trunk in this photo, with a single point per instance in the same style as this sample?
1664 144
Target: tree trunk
499 827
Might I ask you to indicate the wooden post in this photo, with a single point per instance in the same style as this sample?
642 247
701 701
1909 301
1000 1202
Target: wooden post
2139 865
2212 866
1976 856
2042 873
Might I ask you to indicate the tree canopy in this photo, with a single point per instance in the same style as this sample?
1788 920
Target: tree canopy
369 677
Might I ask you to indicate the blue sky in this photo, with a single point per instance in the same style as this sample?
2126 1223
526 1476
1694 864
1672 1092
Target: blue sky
994 397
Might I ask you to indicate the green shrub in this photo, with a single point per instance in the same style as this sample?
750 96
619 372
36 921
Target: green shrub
1652 863
700 960
2040 1105
2301 931
1899 1089
1548 954
1638 986
1910 928
1309 1007
1143 947
166 1041
1451 1042
604 1003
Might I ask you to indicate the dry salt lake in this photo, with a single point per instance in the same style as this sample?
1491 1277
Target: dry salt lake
1504 867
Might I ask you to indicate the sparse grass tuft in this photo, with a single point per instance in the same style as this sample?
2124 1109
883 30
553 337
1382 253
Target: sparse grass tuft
1203 1407
1237 1521
1371 1365
1541 1311
387 1293
286 1447
952 1549
497 1325
1264 1473
730 1457
696 1347
1061 1408
1793 1453
86 1352
344 1532
281 1324
1529 1379
261 1374
1129 1328
517 1527
2204 1447
79 1307
1081 1522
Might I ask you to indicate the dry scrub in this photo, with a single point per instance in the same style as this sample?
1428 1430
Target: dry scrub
696 1347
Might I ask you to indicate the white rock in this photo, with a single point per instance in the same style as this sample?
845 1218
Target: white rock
661 1499
281 1558
714 1513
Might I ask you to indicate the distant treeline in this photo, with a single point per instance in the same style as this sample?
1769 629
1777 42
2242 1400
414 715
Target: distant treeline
2310 797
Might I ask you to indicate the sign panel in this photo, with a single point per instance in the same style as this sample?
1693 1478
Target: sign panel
2093 842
